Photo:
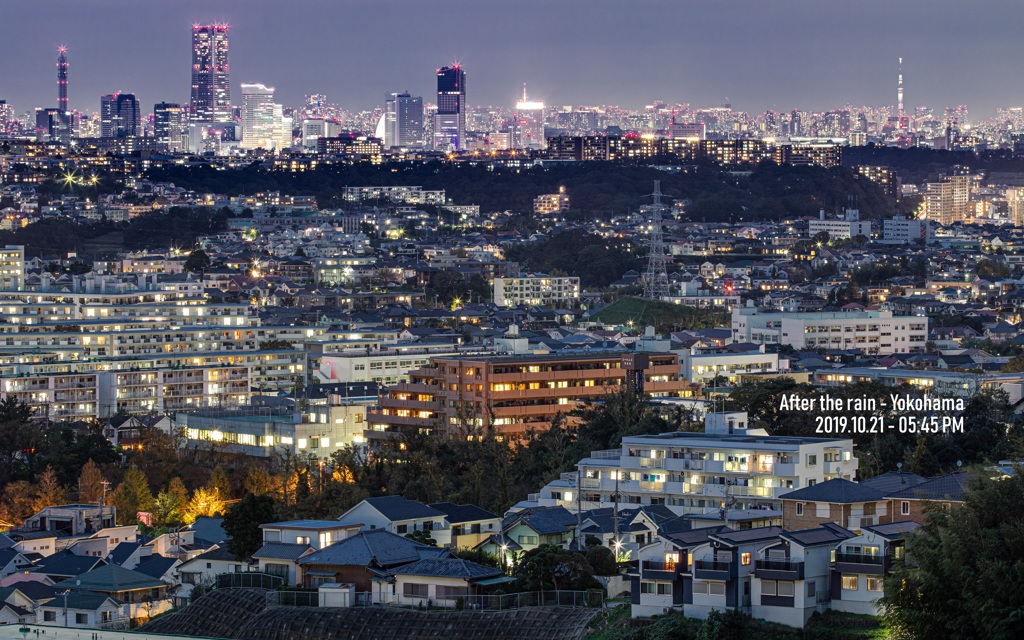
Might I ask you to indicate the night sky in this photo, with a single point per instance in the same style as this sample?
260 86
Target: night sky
761 54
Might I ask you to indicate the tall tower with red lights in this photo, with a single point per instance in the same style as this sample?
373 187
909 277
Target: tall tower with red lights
62 79
211 74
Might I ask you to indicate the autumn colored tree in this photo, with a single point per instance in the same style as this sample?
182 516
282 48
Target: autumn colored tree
172 503
91 483
132 495
49 491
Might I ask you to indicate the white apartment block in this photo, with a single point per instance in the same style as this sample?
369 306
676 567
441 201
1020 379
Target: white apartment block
874 332
901 230
700 366
12 267
408 195
537 289
701 472
845 228
387 366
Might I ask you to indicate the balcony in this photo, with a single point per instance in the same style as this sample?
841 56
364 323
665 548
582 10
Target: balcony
652 463
646 485
779 569
711 570
856 523
590 483
655 570
874 564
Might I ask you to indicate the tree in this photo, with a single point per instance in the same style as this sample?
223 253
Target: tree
258 481
132 495
242 523
219 481
551 567
49 491
172 503
602 559
91 483
197 262
421 536
966 578
16 503
205 502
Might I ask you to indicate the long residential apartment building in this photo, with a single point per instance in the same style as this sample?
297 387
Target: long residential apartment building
512 394
874 332
537 289
726 468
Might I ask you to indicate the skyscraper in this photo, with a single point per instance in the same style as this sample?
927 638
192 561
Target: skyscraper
169 125
257 116
530 121
211 78
62 79
119 115
403 120
450 119
53 125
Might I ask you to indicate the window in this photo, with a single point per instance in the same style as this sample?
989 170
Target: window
786 589
700 588
812 459
447 593
664 588
769 587
810 589
744 559
81 618
647 588
716 588
799 508
850 583
402 528
301 539
897 552
875 584
671 560
527 540
414 590
50 616
905 508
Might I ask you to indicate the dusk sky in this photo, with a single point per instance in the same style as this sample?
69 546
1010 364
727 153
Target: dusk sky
780 54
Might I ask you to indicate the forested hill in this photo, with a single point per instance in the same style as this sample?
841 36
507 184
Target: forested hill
766 192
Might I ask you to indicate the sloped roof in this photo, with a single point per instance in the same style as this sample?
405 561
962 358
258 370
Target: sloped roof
211 529
83 601
894 530
892 481
281 551
375 546
398 508
123 551
835 491
543 520
457 513
828 533
66 564
949 487
744 536
112 578
156 565
447 568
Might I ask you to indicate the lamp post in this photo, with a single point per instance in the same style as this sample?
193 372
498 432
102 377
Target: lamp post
65 594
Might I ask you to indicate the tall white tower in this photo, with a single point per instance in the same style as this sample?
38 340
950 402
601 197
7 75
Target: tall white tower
899 92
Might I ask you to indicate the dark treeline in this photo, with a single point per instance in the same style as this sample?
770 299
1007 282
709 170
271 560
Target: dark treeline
766 191
179 226
919 164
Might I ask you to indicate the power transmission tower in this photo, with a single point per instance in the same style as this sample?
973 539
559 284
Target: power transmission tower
656 277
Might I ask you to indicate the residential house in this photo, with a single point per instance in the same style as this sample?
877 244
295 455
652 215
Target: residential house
395 514
465 525
281 559
532 528
914 502
848 504
203 569
723 570
12 561
664 568
860 564
792 575
143 596
362 558
82 610
440 581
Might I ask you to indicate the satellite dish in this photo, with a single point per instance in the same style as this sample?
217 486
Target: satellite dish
899 465
959 464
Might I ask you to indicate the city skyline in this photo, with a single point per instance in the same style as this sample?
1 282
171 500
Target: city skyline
817 57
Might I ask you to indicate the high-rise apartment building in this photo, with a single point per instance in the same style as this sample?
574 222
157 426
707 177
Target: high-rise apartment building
169 125
450 119
6 118
403 120
211 77
949 200
257 116
119 115
62 79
